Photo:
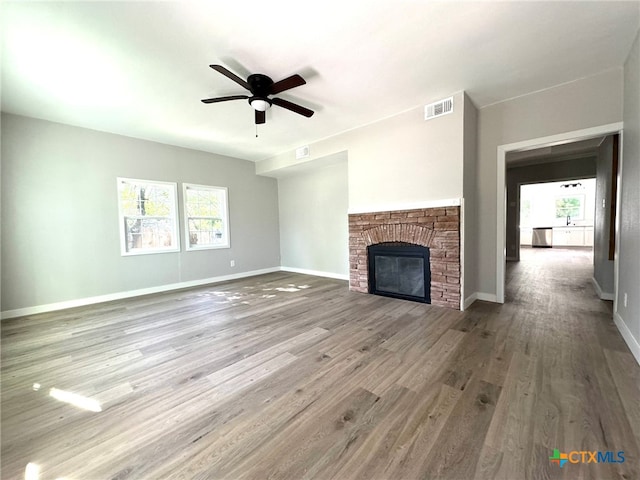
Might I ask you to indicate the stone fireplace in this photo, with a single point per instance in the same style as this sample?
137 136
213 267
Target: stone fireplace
438 229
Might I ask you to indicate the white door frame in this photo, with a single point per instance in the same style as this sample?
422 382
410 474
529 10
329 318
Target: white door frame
576 135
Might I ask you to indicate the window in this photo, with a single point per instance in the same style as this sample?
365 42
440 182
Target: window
525 212
206 216
148 220
570 207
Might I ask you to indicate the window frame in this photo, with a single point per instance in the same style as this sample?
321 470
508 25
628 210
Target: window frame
173 197
226 234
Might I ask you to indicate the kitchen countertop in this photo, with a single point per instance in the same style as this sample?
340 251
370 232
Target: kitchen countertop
573 226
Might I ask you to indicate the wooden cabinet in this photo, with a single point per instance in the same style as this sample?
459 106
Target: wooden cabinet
588 236
576 237
572 236
525 236
560 237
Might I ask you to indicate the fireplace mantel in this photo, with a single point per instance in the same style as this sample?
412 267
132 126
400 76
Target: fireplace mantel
435 228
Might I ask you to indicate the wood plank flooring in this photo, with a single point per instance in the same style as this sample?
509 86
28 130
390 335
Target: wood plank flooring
294 377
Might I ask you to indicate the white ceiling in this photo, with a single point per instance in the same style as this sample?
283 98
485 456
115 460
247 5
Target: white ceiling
141 68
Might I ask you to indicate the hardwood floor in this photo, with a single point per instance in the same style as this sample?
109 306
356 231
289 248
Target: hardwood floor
292 376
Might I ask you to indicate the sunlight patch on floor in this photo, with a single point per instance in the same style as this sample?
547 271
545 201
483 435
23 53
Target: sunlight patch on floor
76 400
31 471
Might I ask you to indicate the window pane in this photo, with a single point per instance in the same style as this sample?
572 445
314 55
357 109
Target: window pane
146 233
569 207
129 199
203 203
525 212
156 201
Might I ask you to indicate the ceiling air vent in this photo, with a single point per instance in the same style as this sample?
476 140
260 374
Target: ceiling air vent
302 152
437 109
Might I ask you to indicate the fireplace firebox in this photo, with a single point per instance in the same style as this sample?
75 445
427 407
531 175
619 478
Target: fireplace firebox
400 270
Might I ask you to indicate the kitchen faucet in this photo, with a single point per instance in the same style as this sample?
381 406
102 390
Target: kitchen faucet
568 219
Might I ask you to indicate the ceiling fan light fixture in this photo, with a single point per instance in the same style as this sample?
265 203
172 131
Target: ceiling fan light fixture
260 104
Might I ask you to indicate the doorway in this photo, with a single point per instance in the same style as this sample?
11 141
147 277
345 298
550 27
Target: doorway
555 240
501 210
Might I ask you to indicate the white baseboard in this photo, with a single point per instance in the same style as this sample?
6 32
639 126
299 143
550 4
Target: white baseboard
631 341
469 300
601 294
487 297
317 273
19 312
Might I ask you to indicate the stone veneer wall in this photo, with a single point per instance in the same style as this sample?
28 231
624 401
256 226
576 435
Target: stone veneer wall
435 228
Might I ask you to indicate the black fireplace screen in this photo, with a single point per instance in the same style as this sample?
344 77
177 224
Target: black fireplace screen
400 271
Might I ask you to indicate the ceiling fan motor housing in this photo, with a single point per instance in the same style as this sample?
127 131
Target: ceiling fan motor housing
260 85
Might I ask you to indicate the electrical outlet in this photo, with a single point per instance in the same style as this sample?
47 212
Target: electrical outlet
233 263
604 203
624 300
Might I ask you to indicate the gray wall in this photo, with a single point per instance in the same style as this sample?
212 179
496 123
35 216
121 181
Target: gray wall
470 214
584 103
540 173
396 161
603 267
314 229
629 261
60 238
1 213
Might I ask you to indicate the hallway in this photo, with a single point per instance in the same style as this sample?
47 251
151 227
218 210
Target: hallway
587 381
544 276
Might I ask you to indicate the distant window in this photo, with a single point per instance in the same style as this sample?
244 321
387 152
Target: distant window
525 212
206 216
148 219
570 206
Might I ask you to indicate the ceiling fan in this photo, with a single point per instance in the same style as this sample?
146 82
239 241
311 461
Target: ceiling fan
261 87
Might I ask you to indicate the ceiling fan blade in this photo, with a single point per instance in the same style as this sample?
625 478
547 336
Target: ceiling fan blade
292 106
224 99
231 75
289 82
261 117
